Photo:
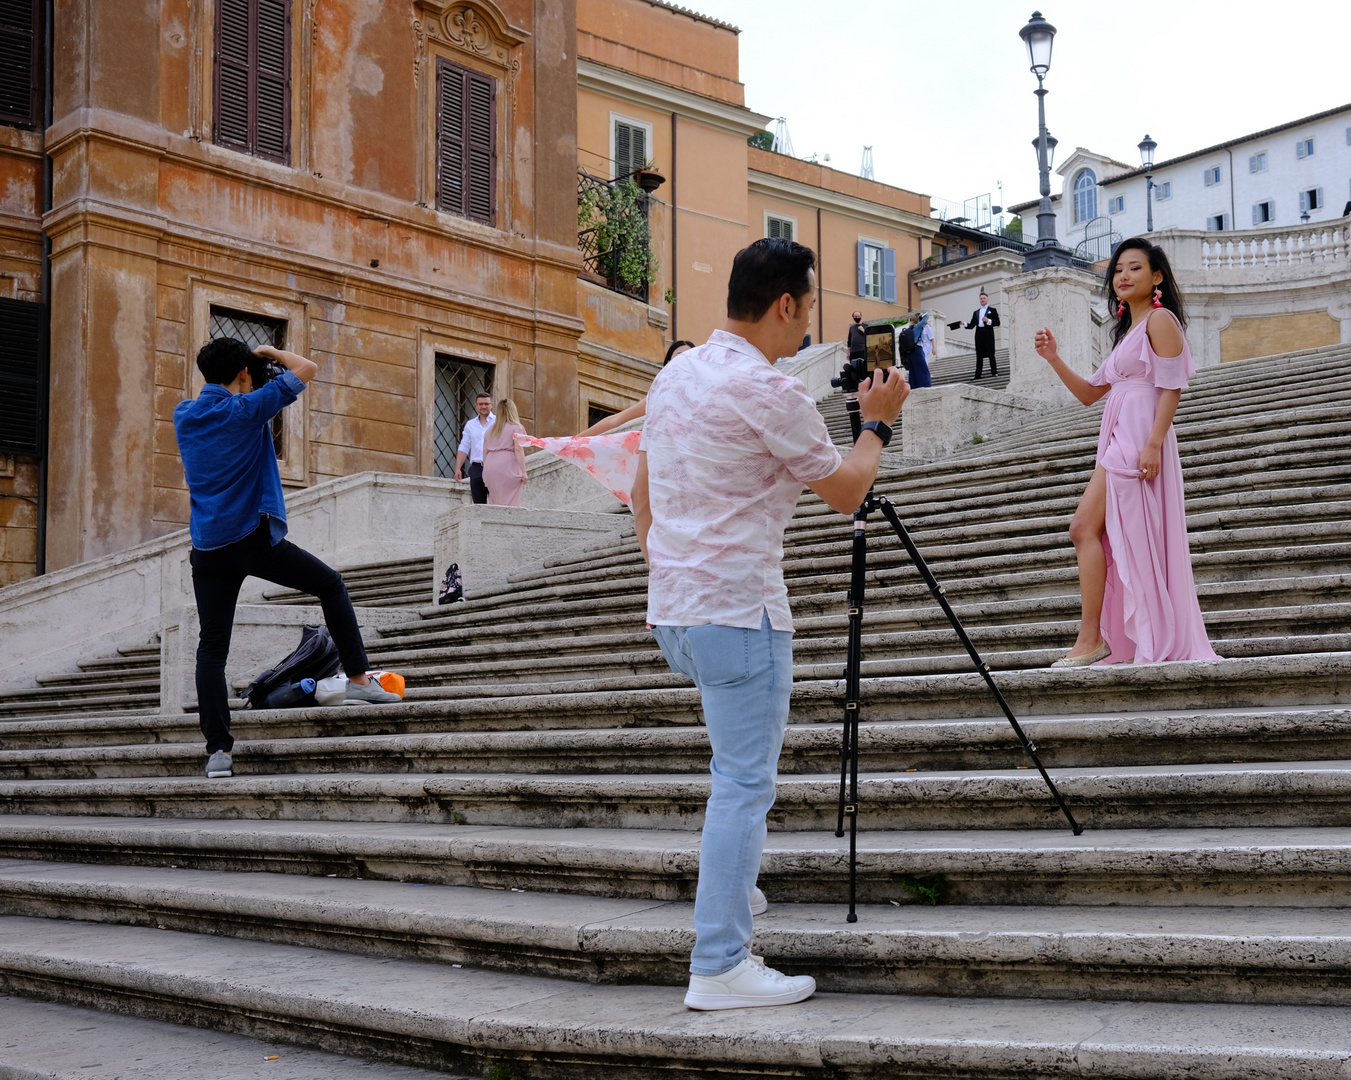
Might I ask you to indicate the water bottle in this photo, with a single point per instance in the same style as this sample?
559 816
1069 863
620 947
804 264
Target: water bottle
289 697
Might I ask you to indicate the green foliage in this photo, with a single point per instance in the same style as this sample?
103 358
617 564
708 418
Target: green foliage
933 889
764 140
500 1072
670 297
623 240
977 439
1015 226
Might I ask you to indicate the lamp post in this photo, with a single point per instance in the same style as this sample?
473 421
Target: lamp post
1147 148
1038 35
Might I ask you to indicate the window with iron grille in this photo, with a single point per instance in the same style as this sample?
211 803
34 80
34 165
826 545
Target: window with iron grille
20 62
466 143
253 330
21 330
596 413
253 77
632 142
458 383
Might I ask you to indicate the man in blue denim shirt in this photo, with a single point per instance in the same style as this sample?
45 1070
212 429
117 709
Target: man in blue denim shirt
238 522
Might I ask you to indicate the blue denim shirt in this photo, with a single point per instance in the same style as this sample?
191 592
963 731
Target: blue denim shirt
226 446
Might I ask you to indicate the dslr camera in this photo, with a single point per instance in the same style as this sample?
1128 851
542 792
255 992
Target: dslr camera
262 370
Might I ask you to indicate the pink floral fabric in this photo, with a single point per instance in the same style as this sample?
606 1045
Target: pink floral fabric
611 458
730 443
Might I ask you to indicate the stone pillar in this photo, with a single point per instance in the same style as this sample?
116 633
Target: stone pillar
1059 298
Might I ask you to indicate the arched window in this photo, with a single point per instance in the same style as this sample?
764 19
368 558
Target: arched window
1085 196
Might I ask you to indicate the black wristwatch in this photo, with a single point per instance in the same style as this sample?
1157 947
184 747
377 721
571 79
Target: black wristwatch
879 429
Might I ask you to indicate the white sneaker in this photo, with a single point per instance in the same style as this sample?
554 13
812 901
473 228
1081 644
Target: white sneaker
759 905
748 985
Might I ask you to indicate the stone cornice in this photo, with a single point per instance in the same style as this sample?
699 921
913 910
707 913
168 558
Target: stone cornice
637 90
972 266
135 134
762 183
85 213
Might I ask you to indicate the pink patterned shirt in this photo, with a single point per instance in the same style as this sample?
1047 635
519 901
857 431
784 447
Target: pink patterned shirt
730 442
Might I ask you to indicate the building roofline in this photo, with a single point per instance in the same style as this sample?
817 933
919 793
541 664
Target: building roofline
696 16
1018 208
1227 144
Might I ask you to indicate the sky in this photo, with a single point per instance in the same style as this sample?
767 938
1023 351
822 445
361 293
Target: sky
943 94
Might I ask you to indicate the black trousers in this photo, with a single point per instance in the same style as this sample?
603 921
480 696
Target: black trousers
985 350
477 488
216 579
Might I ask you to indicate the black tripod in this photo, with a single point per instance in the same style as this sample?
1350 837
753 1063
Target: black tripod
848 381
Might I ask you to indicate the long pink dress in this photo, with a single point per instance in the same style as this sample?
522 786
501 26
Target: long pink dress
502 472
1150 611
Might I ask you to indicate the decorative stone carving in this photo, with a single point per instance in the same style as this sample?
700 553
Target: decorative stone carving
478 28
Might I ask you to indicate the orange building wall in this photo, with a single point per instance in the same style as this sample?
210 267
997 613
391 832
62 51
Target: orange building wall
666 46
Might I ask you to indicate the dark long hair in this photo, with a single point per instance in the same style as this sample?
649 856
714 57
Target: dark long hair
1158 260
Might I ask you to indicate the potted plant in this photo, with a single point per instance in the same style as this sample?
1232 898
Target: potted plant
648 178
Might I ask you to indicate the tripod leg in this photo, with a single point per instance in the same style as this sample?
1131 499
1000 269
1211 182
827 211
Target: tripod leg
848 806
936 590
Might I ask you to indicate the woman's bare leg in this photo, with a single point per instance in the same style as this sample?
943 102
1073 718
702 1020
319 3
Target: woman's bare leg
1086 529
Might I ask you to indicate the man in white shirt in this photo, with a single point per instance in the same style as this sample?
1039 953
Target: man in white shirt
983 320
471 447
728 444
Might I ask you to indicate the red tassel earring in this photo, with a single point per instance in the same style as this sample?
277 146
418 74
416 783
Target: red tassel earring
1158 298
1120 308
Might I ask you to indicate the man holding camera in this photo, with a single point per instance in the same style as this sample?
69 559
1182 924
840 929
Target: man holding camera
728 444
238 522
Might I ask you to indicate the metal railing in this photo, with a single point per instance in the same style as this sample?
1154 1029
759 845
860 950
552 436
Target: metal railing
612 233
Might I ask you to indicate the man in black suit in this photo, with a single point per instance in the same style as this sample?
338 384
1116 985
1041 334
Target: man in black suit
983 320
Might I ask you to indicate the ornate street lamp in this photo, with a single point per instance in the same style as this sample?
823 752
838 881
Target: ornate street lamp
1039 35
1147 148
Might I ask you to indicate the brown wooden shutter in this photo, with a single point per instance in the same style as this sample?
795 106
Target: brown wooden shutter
21 330
253 77
466 143
20 62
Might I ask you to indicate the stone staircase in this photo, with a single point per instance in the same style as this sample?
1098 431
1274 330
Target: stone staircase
396 583
494 877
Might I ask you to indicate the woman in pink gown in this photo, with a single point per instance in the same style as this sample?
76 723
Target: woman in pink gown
503 457
1130 530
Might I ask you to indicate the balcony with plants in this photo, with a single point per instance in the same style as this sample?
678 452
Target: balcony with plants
613 231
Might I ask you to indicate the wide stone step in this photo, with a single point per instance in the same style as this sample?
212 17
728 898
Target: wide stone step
1285 793
907 746
471 1019
1260 867
1275 956
61 1042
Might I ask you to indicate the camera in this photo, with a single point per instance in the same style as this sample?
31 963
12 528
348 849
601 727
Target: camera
262 371
880 352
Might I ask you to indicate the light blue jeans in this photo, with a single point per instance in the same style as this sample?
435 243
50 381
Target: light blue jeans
744 679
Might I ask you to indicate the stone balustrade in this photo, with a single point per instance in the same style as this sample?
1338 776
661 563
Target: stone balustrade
1284 255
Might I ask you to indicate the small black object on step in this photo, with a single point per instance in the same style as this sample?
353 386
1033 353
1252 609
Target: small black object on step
452 587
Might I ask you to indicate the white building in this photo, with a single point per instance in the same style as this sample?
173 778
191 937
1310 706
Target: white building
1264 180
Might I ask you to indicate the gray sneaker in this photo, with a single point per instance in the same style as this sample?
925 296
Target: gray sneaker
220 764
370 694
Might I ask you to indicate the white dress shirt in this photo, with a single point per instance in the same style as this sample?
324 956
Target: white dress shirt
730 443
980 315
471 442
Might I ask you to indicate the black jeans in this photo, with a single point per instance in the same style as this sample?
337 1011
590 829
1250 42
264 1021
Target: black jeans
477 488
216 579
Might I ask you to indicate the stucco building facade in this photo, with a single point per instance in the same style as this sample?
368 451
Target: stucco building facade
393 189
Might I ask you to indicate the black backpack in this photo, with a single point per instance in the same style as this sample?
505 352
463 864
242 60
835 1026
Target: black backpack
316 657
905 345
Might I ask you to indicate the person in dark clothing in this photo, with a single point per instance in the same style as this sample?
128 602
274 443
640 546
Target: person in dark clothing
238 523
983 320
857 342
